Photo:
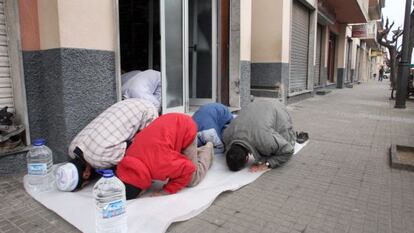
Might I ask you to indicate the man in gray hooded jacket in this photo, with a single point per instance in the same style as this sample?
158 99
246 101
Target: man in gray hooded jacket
263 129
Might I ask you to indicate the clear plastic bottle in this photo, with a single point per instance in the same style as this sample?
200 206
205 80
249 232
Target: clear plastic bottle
39 167
110 204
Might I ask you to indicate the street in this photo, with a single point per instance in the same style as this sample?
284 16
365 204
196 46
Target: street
340 182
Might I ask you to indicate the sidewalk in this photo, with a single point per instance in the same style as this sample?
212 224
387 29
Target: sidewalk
340 182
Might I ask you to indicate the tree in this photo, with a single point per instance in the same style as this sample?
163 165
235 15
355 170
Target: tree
391 45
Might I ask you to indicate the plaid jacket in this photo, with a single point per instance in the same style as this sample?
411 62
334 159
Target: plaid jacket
103 141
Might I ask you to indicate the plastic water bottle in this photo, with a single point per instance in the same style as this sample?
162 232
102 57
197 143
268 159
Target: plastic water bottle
39 167
110 204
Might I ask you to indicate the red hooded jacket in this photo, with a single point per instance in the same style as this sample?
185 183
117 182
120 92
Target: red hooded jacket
155 154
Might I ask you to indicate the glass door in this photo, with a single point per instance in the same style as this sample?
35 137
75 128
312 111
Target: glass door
173 55
202 51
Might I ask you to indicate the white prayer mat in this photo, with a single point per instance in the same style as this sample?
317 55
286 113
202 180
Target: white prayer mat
152 214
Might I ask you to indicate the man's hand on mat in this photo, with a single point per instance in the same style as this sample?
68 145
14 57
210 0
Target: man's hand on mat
158 193
258 167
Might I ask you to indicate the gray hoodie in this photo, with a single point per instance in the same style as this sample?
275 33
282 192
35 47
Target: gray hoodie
265 128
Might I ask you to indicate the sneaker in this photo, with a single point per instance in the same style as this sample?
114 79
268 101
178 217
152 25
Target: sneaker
302 137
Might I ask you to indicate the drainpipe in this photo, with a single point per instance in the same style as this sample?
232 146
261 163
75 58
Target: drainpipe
404 63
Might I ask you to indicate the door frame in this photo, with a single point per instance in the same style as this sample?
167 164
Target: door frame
214 33
332 58
185 106
223 57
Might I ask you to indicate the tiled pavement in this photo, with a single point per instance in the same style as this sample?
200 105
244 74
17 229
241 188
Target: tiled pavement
340 182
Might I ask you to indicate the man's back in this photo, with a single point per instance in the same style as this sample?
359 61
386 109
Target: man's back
103 140
213 115
265 125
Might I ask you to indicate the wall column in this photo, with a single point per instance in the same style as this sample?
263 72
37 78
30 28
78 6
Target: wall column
245 50
69 66
270 47
341 56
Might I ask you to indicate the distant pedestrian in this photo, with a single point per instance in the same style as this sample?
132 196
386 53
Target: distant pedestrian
381 74
263 129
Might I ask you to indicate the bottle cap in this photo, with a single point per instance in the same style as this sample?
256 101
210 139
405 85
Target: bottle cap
107 173
39 142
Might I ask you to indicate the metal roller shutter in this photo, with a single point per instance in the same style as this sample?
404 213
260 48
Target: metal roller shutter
299 48
318 58
6 86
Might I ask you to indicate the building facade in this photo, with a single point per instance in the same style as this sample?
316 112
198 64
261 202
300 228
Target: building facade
64 59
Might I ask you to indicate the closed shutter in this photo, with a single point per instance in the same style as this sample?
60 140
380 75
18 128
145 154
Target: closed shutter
6 87
318 59
299 48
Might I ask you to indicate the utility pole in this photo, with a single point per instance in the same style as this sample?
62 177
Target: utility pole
405 60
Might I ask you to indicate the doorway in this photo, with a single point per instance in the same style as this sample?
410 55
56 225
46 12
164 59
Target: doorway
177 38
139 32
224 45
152 36
202 26
331 57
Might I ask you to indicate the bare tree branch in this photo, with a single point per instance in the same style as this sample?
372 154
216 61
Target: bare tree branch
382 38
396 36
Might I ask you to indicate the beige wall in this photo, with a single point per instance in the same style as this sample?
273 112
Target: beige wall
87 24
325 44
355 44
285 43
76 24
267 31
245 29
345 32
48 24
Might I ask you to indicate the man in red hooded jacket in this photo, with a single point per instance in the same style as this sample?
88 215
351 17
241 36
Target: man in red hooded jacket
157 154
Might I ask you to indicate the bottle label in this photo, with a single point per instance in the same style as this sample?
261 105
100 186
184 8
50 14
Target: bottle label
37 169
114 209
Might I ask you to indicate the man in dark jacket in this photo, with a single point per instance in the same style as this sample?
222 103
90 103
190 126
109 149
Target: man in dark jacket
263 129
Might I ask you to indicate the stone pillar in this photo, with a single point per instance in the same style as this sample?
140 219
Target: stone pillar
341 54
245 50
234 54
69 66
325 56
270 47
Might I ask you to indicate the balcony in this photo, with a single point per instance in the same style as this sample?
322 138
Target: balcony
375 9
348 11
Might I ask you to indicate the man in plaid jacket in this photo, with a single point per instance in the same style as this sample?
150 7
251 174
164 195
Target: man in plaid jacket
103 142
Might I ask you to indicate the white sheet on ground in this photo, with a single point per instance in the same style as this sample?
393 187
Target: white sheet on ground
152 214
